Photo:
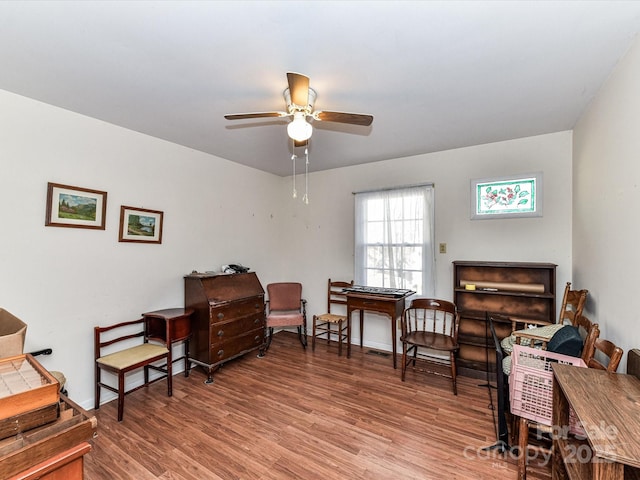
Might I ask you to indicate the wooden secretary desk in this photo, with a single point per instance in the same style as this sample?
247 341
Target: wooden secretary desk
228 319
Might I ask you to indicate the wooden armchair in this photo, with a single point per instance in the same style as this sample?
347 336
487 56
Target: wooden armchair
117 352
430 324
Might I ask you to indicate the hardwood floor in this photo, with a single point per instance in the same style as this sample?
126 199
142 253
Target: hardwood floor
298 414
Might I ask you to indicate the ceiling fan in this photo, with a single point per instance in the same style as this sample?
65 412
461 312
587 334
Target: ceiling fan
300 100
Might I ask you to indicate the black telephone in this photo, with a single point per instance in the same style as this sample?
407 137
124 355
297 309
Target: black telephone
232 268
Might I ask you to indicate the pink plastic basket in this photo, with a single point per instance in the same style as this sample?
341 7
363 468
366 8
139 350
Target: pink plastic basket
531 384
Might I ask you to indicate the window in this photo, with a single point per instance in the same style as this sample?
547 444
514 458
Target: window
395 239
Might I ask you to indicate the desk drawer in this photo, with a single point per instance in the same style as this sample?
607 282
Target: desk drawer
237 346
387 305
223 331
238 309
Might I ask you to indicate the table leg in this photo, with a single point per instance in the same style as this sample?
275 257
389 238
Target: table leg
349 333
361 313
393 339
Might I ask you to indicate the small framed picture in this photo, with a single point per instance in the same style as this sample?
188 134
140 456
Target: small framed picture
75 207
507 197
140 225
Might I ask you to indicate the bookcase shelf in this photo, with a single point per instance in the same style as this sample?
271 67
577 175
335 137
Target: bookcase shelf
510 296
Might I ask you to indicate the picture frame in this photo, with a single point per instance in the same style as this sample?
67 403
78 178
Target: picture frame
75 207
140 225
514 196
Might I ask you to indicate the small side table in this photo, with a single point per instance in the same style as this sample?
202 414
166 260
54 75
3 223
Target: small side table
170 326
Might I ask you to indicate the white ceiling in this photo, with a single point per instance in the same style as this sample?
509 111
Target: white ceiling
435 75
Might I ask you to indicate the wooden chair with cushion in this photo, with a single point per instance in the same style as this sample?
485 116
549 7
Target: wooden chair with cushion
430 324
331 323
286 308
118 350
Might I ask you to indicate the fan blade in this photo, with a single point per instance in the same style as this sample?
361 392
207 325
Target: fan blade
298 88
343 117
241 116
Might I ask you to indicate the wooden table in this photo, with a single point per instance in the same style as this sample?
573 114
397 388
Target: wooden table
170 326
607 405
385 304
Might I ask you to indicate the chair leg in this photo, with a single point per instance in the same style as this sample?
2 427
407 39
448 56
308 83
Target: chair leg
452 359
339 338
303 340
120 395
304 328
97 404
313 335
404 360
169 376
523 441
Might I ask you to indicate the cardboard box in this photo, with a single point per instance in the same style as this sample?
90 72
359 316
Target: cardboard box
12 333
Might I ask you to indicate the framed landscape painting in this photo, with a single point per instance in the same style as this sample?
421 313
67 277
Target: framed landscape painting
140 225
75 207
507 197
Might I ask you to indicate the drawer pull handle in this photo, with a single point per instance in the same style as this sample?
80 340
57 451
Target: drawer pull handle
258 338
256 321
221 316
220 353
220 333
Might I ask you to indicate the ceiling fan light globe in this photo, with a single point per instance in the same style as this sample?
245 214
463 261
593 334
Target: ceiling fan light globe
299 129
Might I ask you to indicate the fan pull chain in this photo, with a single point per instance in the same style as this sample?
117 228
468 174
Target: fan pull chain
295 192
305 198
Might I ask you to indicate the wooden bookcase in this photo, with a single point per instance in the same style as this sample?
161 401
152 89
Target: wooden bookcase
507 297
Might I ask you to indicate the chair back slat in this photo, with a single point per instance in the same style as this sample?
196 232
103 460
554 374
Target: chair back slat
572 304
336 294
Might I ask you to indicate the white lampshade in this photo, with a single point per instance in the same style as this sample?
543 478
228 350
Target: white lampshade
299 129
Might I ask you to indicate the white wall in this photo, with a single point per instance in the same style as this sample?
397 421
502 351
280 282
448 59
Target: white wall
606 229
64 281
322 232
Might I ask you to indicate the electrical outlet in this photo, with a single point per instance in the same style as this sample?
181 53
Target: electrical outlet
443 248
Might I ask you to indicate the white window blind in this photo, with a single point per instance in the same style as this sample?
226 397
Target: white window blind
394 239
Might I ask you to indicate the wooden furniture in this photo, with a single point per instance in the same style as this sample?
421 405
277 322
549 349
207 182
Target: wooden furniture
633 362
169 326
51 452
607 406
228 318
571 309
286 308
613 353
432 324
504 289
29 395
332 324
111 356
375 300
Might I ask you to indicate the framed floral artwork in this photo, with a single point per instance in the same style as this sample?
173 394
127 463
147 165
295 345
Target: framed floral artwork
75 207
140 225
507 197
